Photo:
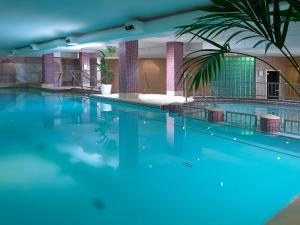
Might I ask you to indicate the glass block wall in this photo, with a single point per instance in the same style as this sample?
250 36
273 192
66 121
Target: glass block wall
236 78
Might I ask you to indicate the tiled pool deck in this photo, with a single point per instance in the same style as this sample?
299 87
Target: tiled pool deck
158 100
152 100
289 215
148 100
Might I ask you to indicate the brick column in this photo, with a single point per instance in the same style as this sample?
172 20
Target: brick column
85 67
270 124
174 63
48 69
216 115
128 67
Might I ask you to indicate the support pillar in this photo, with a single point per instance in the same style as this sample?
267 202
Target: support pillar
48 70
270 124
174 64
128 67
85 67
216 115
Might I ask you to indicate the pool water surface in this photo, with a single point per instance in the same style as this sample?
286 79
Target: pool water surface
67 159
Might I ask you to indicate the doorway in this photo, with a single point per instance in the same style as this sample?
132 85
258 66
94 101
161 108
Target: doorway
273 84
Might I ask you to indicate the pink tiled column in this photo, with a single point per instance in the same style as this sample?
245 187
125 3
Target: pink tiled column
174 63
128 67
84 60
48 70
216 115
270 124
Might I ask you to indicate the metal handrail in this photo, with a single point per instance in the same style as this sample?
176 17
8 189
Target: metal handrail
242 122
75 79
291 129
81 72
147 82
193 112
59 78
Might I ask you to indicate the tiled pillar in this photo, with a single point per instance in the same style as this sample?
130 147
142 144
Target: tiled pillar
174 63
270 124
85 67
128 67
216 115
48 70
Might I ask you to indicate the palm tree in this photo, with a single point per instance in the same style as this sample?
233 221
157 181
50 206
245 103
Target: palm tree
266 21
106 71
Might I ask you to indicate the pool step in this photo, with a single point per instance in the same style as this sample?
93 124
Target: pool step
289 215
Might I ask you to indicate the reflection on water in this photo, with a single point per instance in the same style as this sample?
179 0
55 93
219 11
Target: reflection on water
78 155
175 136
74 160
29 171
128 139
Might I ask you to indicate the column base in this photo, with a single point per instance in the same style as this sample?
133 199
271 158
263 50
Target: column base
175 93
129 95
270 124
49 86
173 108
216 115
86 85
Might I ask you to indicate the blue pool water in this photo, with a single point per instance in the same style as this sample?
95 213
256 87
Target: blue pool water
74 160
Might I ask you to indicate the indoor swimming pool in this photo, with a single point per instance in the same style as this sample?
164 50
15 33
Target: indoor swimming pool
70 159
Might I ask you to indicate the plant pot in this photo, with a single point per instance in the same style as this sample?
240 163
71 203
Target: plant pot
105 89
105 107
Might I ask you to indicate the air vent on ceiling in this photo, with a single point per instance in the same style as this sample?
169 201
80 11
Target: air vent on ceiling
34 47
72 41
135 26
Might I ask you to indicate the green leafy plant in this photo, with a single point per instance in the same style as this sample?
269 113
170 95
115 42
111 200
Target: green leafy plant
267 22
107 73
104 130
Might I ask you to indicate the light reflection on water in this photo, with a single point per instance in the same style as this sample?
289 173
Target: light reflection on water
73 160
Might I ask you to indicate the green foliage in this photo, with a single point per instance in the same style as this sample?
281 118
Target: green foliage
202 68
104 129
240 20
107 75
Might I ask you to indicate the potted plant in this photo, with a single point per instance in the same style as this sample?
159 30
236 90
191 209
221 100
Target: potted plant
107 73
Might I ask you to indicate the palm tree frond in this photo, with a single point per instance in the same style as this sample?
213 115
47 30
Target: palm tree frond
238 21
203 68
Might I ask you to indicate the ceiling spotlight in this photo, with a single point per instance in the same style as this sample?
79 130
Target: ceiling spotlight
71 41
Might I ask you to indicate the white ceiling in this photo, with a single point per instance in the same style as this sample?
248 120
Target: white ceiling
155 46
24 22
